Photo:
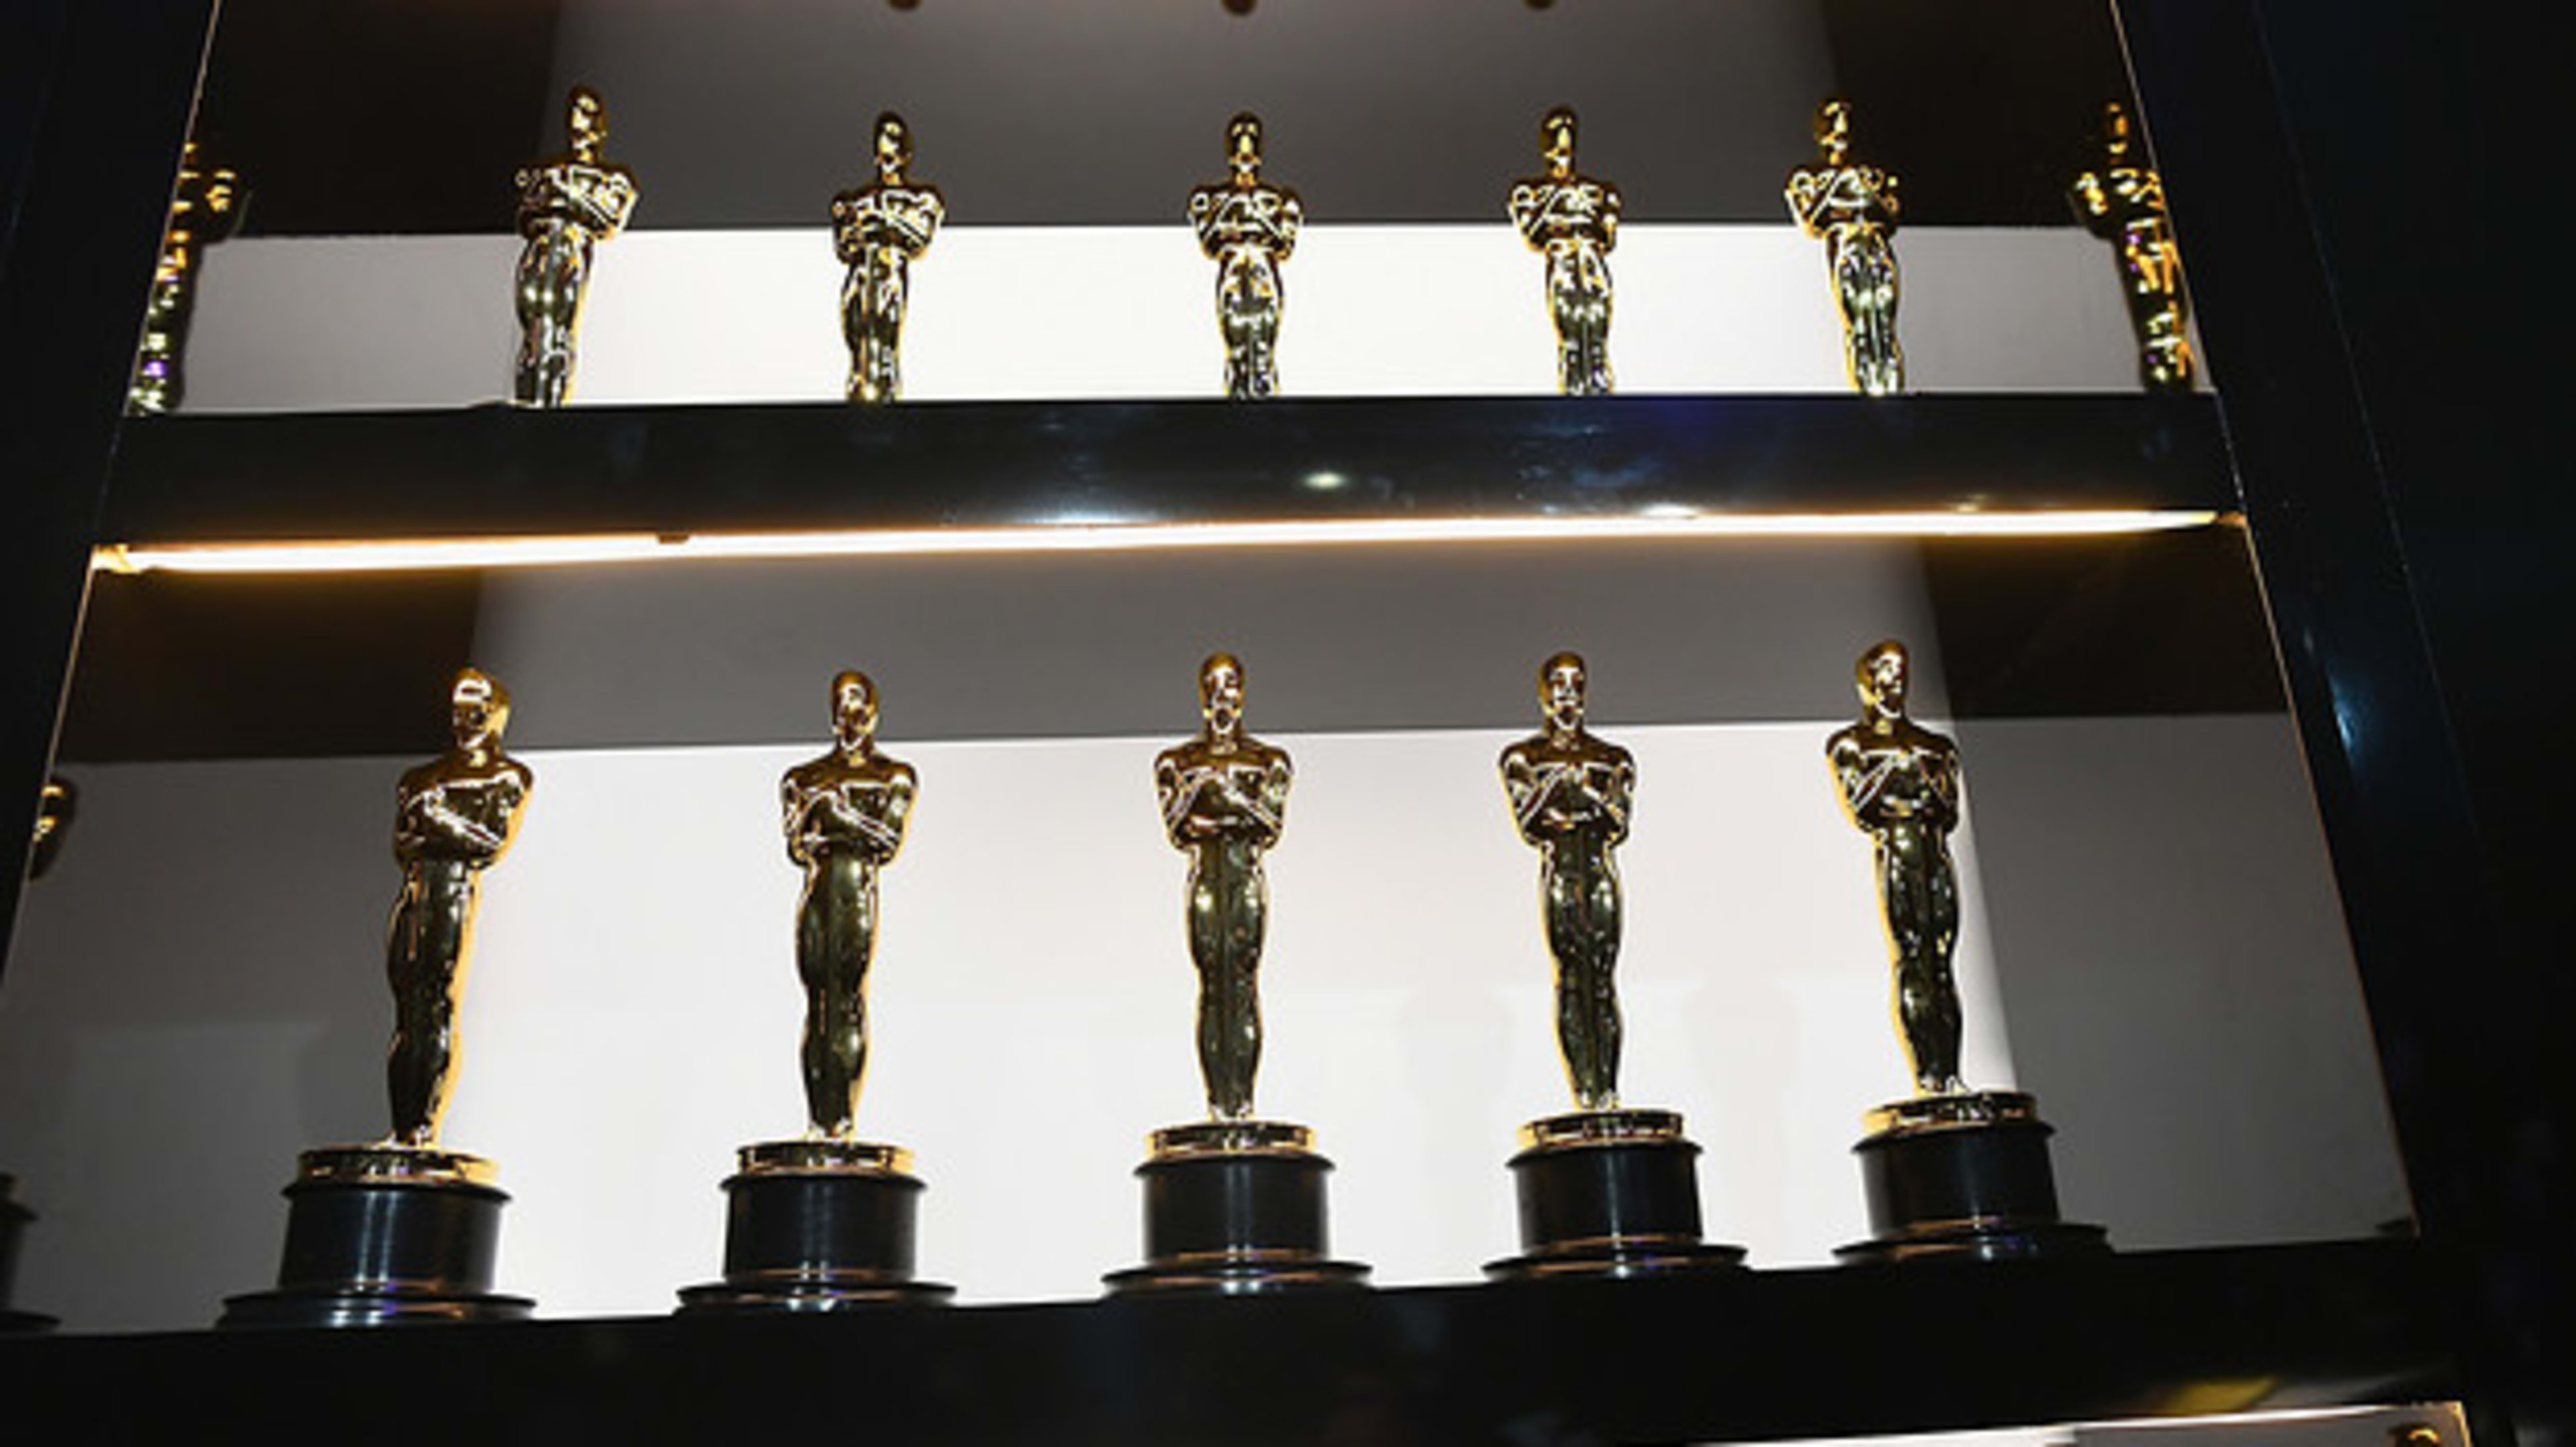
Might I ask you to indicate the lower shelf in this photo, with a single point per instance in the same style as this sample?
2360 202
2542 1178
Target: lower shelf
1751 1355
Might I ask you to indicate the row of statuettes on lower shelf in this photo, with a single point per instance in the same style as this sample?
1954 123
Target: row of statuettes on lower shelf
382 1234
403 1230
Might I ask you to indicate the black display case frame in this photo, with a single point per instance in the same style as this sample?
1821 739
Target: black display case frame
2471 1310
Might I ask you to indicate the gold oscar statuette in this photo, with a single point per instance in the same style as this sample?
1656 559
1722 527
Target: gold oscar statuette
1247 226
1570 794
1948 1172
454 817
1232 1204
204 208
1224 795
1852 208
2124 204
1899 782
845 817
878 231
567 206
826 1221
1603 1191
1573 221
403 1230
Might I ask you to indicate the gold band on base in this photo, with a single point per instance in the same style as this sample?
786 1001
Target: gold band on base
1600 1127
386 1161
824 1157
1963 1110
1230 1137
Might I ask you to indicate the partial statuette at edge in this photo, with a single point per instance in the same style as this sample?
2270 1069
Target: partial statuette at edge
1603 1191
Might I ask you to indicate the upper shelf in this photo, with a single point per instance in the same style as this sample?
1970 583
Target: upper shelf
499 471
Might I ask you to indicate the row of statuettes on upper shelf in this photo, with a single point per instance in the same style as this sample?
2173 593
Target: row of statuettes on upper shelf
404 1229
1249 227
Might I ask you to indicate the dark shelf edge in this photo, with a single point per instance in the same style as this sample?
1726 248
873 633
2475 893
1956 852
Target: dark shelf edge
499 471
1772 1354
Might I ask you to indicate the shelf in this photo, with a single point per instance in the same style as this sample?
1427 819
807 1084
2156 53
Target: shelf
1753 1356
498 471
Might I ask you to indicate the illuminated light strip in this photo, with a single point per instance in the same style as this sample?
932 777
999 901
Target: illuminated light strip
399 554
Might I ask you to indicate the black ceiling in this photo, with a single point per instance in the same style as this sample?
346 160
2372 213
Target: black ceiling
408 116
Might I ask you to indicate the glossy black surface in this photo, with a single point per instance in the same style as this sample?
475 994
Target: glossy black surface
2381 243
1616 1208
496 470
369 1253
1982 1192
809 1241
1236 1223
1719 1356
94 156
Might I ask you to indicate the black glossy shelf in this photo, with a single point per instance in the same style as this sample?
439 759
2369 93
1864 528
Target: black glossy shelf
1744 1356
495 471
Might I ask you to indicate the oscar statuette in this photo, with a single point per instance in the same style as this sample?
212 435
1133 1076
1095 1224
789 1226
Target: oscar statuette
403 1230
567 206
825 1222
1852 208
1572 220
1233 1204
1952 1172
1248 227
878 231
1604 1191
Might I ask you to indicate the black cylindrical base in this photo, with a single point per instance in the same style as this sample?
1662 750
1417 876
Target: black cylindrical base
1979 1189
821 1240
1610 1208
1235 1222
384 1253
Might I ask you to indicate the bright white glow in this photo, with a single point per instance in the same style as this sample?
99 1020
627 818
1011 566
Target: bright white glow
1326 481
415 553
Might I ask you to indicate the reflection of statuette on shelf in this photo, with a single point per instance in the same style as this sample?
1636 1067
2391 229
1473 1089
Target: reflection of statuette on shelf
566 207
1951 1172
878 231
1603 1191
1247 226
56 807
2124 204
1852 208
1572 220
827 1222
403 1230
1232 1204
205 206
